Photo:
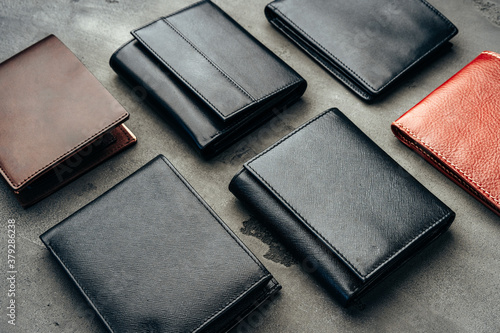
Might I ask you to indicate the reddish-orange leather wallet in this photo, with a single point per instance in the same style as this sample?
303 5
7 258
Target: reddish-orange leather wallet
56 120
457 129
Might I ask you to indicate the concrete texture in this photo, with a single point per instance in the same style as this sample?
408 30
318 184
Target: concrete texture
452 286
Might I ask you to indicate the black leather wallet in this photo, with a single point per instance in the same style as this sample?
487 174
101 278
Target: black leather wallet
341 204
202 70
367 45
150 255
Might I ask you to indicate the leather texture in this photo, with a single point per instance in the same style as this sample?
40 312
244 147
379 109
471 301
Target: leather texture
341 204
165 263
456 129
86 159
367 45
53 111
207 74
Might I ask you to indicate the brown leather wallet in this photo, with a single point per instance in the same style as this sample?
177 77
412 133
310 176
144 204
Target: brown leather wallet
457 129
56 120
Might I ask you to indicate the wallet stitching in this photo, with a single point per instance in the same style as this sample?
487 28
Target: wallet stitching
102 159
259 300
84 290
321 46
224 130
210 61
481 187
253 99
262 268
438 13
173 70
279 89
229 303
66 153
374 267
289 205
244 119
420 233
170 67
204 204
307 222
412 239
404 70
344 78
444 168
336 72
290 135
299 79
124 144
208 318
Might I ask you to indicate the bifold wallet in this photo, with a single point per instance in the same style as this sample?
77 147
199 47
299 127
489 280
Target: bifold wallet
207 75
457 129
56 120
367 45
150 255
348 211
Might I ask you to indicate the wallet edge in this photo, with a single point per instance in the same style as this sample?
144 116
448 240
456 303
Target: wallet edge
379 265
437 159
446 167
125 115
367 92
129 139
242 111
264 276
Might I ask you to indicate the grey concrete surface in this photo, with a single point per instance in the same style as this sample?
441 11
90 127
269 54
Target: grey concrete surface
452 286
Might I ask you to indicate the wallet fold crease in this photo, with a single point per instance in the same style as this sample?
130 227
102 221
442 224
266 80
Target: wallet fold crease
52 110
340 201
366 45
201 69
167 263
455 129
